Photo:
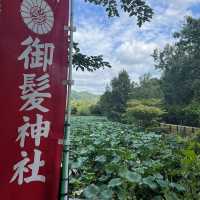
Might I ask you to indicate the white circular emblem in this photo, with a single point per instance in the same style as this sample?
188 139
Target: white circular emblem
37 15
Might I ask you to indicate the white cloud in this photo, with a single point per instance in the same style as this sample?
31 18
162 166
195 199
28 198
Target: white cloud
135 52
125 45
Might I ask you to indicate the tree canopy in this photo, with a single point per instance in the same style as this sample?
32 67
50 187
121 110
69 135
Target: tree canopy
89 63
114 101
147 88
138 8
179 64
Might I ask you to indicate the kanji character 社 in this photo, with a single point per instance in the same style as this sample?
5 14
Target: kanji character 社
35 167
21 168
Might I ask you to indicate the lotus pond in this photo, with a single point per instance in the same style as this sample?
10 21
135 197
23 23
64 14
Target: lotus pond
113 161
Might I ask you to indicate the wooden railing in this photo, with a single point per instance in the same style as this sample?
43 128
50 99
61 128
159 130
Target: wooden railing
186 130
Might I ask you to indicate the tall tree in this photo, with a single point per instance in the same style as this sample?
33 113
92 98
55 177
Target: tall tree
114 100
148 88
179 64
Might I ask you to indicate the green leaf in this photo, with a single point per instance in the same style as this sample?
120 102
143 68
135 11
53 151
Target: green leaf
171 196
91 192
100 159
122 194
150 181
132 177
157 198
78 163
115 182
106 194
103 178
162 183
111 167
178 187
158 176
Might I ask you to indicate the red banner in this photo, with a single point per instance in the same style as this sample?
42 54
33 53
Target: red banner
33 57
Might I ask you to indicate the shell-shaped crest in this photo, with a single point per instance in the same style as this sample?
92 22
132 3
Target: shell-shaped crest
37 15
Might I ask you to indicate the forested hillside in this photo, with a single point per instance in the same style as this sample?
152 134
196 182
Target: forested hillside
84 96
82 102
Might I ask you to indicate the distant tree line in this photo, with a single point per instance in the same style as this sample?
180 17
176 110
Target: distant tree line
128 102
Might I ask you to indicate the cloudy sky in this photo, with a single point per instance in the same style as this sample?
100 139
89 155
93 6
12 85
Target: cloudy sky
122 42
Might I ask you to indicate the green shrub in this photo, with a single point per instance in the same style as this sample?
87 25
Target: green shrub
74 110
96 109
82 107
144 112
184 115
192 114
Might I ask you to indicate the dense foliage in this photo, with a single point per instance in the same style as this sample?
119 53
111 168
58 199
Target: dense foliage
127 101
81 108
83 102
147 88
114 101
144 113
113 161
180 80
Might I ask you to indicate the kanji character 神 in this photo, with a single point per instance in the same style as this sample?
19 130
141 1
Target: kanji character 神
32 92
21 168
37 55
37 130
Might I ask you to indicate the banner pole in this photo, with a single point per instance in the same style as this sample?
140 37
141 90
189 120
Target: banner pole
66 142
